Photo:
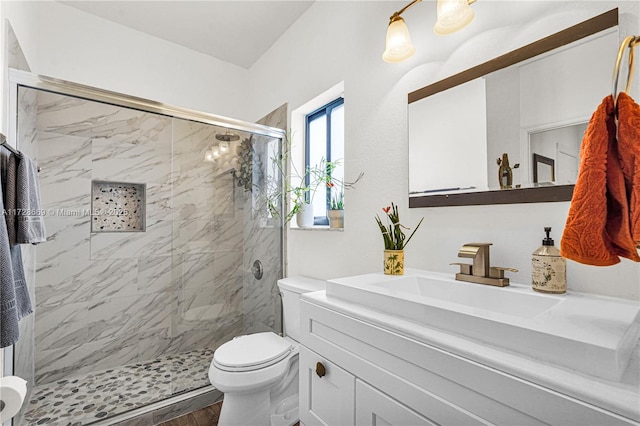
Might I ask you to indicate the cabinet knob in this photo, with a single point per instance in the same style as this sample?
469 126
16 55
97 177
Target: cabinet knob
320 370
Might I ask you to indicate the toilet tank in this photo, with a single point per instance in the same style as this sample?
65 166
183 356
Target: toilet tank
291 288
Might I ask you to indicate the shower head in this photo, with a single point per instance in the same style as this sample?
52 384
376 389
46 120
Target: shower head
227 136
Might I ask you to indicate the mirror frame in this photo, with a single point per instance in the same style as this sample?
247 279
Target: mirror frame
522 195
539 160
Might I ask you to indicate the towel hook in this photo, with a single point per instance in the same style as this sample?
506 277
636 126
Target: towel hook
630 43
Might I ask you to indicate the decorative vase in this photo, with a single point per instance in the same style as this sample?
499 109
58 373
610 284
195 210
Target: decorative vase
336 218
505 174
304 216
394 262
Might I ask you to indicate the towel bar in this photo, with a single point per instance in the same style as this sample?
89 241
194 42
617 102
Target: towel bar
629 42
3 142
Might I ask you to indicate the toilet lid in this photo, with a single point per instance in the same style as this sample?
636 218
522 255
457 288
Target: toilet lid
251 352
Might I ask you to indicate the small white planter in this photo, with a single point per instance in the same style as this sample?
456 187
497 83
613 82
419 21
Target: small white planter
304 216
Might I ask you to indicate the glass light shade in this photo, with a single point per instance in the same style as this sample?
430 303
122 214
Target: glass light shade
453 15
398 44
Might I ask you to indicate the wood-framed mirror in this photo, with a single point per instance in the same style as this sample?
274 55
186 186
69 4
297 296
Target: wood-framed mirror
544 170
445 172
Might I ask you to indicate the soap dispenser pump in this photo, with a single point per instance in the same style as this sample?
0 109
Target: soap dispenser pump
549 269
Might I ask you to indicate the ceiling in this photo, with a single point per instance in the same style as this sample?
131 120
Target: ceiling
238 32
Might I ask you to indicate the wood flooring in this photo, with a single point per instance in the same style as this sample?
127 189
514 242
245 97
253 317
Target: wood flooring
207 416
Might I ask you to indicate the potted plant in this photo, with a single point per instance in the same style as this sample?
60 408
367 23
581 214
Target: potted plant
336 207
323 173
300 207
297 190
394 240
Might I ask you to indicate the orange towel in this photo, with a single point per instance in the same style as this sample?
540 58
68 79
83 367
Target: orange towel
629 147
598 230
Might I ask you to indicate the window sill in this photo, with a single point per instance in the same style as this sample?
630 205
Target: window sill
317 228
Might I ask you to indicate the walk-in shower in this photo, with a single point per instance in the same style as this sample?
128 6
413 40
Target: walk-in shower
155 218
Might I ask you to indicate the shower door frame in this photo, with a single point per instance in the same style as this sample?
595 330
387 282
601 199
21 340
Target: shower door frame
18 78
62 87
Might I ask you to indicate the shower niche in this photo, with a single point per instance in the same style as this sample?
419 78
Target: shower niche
118 206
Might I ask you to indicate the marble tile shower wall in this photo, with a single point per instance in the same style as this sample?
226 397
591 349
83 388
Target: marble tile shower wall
261 299
107 299
262 302
208 241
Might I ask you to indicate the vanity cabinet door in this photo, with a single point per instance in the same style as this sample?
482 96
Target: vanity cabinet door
327 392
374 408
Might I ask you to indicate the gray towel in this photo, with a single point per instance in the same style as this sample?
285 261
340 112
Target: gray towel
14 297
25 221
9 194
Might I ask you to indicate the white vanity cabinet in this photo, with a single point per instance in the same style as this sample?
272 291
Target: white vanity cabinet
326 391
374 408
376 376
330 395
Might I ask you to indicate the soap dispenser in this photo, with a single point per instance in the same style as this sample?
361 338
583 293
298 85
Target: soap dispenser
549 269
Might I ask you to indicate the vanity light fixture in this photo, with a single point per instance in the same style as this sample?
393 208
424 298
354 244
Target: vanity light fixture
453 15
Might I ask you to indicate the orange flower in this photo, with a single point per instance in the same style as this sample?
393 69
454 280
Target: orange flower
386 209
330 185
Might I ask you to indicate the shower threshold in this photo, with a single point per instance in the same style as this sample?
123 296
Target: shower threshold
94 397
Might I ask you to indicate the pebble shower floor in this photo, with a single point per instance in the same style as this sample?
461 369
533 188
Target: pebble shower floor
91 397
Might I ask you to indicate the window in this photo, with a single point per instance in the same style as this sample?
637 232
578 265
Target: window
324 140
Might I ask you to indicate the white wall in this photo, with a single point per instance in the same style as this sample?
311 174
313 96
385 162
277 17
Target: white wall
336 41
62 42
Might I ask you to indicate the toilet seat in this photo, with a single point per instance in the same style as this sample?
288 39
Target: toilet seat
252 352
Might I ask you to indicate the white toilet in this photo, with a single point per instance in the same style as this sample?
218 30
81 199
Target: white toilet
258 373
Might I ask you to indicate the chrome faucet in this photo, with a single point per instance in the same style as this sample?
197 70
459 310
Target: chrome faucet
480 271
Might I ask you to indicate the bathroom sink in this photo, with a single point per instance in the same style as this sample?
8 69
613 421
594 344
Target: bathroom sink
591 334
520 304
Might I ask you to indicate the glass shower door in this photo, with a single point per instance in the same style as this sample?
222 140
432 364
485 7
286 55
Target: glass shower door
129 308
